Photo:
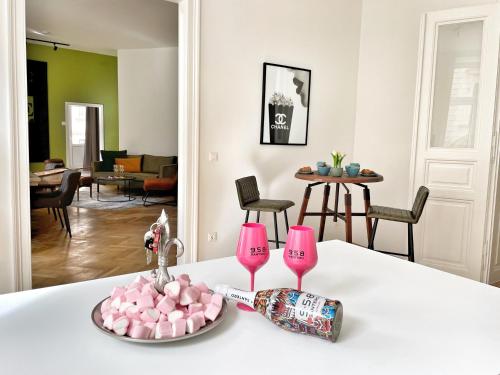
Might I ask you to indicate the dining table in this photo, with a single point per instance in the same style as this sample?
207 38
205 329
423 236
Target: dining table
47 179
315 179
399 318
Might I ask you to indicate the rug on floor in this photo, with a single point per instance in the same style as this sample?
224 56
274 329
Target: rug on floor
111 194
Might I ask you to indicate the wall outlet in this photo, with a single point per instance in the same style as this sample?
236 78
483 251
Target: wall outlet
212 236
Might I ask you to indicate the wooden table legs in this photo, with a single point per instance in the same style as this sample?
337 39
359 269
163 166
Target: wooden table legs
366 197
346 216
336 209
305 202
324 209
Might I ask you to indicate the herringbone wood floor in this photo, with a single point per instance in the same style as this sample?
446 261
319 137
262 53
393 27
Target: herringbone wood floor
105 243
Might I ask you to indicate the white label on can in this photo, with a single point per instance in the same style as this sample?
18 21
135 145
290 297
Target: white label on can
308 305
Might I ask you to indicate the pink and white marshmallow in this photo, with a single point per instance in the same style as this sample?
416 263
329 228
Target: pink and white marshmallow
145 301
189 295
132 295
117 301
117 292
179 328
185 277
200 316
217 299
173 289
150 315
202 287
140 332
133 312
120 325
175 315
192 325
163 330
205 298
212 312
149 289
195 307
166 305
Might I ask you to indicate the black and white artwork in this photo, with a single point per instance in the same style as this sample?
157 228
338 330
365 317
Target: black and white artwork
285 105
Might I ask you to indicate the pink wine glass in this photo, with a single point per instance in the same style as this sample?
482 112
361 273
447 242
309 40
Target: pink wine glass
252 251
300 253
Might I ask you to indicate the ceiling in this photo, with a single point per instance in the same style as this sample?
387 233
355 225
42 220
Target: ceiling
104 26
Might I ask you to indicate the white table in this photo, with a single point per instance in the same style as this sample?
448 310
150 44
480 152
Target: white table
399 318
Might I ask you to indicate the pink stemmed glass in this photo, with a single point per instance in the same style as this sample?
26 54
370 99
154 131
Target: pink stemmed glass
252 251
300 253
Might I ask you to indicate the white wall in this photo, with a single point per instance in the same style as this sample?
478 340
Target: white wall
388 55
237 36
147 100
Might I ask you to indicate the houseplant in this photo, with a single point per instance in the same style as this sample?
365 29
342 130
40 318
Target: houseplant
336 170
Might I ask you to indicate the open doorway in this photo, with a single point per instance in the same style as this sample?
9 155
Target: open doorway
84 134
129 66
16 243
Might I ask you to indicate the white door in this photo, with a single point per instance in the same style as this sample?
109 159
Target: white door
455 129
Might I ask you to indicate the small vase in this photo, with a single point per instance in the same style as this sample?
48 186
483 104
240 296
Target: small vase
336 172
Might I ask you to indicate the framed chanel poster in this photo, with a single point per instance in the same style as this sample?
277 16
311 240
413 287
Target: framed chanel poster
285 105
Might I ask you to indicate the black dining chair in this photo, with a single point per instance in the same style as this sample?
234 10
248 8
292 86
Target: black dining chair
402 216
60 199
249 198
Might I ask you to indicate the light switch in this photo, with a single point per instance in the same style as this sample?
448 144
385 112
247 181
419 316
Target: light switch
213 156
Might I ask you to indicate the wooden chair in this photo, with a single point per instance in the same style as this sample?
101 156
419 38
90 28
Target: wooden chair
61 198
85 181
249 197
402 216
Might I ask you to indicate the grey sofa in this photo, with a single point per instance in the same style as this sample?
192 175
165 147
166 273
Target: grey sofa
151 167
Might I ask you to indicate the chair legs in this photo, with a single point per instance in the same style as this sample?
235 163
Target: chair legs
66 220
411 253
54 212
258 216
246 217
286 222
276 230
372 238
60 218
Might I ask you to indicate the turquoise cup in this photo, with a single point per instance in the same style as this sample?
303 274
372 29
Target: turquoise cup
324 171
352 169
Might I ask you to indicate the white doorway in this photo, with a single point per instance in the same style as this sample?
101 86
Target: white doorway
76 130
455 138
16 239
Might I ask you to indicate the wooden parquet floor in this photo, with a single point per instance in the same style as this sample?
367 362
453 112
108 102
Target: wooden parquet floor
105 243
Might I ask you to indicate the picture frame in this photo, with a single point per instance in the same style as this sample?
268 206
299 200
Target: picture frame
285 105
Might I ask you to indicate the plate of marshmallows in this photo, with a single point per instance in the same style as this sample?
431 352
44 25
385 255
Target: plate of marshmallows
138 312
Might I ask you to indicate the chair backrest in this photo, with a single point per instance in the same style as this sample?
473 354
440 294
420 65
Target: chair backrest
419 203
247 189
69 184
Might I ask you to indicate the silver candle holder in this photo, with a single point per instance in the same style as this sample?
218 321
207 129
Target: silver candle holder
157 240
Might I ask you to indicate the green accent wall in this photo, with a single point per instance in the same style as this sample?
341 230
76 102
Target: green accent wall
82 77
